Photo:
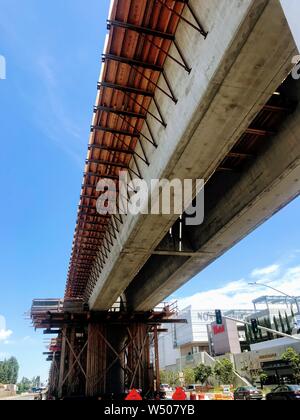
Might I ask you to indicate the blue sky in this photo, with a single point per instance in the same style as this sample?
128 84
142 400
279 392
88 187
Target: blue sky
52 50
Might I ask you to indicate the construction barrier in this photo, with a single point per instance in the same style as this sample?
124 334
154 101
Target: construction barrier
223 397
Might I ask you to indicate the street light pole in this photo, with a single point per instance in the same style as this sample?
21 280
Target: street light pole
279 291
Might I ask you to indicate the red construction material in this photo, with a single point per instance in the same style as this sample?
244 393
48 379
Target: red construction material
133 396
179 395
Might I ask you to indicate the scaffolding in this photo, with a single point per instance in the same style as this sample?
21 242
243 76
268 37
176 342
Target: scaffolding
100 354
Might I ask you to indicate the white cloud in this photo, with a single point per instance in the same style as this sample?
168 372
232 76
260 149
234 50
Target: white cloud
4 333
266 271
239 294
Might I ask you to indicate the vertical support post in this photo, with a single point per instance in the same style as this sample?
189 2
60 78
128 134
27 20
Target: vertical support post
70 382
157 369
96 360
62 362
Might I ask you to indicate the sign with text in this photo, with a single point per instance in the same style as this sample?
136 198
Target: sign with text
218 329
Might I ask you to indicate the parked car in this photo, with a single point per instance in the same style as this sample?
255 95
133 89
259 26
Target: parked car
284 393
247 393
36 390
192 388
165 388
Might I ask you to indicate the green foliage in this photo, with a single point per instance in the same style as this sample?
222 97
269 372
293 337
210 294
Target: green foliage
189 376
288 324
267 324
276 326
202 373
224 372
36 382
9 370
263 377
291 356
260 333
292 313
25 385
281 323
169 377
249 335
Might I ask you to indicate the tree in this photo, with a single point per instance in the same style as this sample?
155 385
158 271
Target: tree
260 334
291 356
36 381
249 333
13 370
263 377
267 324
281 323
24 386
169 377
189 376
224 372
288 323
3 372
276 326
202 373
9 370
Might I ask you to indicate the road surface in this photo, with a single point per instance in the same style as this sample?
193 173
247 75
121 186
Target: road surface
19 398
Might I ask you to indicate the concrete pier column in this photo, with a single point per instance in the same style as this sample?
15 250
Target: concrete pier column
96 360
116 336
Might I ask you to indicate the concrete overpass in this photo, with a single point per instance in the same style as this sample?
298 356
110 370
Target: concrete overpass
235 70
188 89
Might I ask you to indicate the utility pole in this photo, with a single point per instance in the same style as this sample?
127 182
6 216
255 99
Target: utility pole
156 352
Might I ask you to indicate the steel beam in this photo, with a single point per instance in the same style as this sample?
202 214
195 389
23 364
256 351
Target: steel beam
111 149
132 62
107 162
126 89
103 176
260 132
140 29
114 131
130 114
239 155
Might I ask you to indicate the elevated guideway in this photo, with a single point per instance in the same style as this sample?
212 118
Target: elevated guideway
234 72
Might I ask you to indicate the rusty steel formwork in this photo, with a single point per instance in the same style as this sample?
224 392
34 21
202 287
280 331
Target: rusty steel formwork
102 359
141 35
54 374
118 359
100 354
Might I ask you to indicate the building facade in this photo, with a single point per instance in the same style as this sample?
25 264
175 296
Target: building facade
184 344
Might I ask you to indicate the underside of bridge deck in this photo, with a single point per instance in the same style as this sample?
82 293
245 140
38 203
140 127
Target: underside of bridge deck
222 126
259 175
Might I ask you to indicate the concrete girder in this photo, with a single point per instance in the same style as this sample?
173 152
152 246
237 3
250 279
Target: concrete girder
271 182
236 69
